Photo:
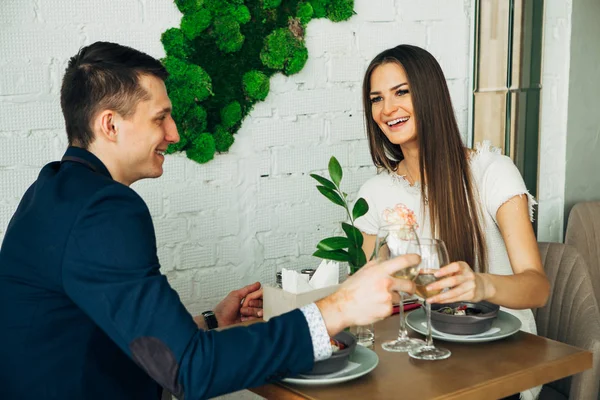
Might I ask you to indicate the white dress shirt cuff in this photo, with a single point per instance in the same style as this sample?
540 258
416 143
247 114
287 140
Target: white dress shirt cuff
318 332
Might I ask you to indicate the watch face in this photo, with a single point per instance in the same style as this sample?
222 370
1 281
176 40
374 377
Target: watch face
210 319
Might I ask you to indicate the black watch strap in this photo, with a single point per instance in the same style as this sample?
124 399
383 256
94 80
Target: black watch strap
210 319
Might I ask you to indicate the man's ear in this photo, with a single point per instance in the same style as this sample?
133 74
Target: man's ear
107 126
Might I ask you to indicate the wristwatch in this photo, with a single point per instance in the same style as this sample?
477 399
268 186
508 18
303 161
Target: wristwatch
210 319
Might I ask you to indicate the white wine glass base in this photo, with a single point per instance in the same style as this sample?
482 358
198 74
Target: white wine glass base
430 353
403 343
402 346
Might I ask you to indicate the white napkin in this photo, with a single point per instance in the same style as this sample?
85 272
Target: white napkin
294 282
327 274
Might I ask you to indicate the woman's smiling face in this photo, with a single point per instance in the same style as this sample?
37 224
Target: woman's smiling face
391 103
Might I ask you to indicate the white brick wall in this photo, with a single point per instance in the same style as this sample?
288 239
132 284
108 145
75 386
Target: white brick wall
24 78
376 10
432 10
246 214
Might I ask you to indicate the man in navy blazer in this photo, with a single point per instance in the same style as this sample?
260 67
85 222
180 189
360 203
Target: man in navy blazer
84 310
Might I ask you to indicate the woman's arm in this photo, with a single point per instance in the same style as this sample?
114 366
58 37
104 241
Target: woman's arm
368 245
527 288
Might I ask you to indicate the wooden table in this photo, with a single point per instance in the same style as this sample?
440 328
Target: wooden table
474 371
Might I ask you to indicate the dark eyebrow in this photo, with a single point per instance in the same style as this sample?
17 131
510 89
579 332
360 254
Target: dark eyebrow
391 89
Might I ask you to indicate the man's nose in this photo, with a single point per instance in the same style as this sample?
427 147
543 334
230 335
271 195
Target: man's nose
172 135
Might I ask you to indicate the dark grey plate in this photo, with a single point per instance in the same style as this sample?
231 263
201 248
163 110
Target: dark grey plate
508 324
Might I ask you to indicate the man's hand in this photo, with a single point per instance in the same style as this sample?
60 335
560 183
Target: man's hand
240 305
366 296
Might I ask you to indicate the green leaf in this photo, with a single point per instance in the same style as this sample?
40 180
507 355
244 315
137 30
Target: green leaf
360 208
356 257
354 235
352 254
324 181
331 195
334 243
361 260
336 255
335 170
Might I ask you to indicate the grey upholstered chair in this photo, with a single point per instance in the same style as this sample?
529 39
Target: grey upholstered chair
583 233
571 316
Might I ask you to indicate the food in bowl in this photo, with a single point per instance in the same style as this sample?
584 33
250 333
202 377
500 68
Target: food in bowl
345 342
460 310
464 318
336 345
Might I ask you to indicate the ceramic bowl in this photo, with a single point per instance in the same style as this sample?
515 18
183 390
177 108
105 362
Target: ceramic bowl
339 359
464 324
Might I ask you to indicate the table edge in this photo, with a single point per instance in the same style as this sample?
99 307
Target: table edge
576 363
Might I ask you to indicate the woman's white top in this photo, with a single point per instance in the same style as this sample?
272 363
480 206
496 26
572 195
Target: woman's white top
497 180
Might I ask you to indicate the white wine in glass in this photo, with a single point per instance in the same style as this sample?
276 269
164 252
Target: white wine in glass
422 280
409 273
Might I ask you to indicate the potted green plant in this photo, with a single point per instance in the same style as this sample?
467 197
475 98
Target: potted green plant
342 248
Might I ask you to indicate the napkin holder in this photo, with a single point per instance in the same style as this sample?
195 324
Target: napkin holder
276 301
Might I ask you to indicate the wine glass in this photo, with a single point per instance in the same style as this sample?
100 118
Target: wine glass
433 256
392 241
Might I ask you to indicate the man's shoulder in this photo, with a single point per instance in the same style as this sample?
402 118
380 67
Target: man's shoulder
72 190
83 184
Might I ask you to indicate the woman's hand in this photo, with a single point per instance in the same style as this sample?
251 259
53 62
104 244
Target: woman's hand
240 305
252 305
464 284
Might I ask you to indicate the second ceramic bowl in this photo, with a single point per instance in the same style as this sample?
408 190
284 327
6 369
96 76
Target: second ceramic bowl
464 324
338 359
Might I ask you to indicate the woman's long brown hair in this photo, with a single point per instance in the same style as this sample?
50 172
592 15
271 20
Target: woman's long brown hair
443 160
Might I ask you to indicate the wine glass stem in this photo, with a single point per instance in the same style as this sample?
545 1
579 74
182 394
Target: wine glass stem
402 332
429 338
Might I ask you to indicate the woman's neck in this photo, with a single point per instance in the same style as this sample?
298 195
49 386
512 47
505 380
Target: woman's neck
410 165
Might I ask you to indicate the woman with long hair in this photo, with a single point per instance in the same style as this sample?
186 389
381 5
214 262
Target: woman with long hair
474 200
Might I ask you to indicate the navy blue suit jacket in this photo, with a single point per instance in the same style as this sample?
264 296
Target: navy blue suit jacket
86 314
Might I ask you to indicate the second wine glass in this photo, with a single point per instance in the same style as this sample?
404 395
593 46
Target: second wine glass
433 256
392 241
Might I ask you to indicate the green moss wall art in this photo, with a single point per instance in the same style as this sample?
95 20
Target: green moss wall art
222 56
